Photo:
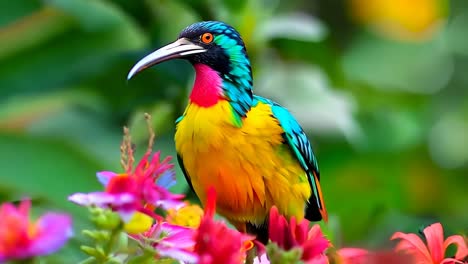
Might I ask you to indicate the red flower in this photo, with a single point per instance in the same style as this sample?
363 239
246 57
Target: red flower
298 235
20 238
352 256
434 252
138 189
362 256
215 242
144 187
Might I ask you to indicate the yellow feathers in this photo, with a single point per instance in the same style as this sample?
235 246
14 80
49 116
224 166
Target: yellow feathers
249 166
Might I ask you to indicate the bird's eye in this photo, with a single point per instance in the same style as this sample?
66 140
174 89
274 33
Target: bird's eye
207 38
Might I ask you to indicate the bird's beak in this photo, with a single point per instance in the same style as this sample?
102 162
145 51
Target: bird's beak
178 49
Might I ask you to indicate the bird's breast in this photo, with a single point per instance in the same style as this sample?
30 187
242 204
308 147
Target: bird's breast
249 166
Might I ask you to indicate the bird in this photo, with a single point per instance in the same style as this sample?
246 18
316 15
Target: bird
250 149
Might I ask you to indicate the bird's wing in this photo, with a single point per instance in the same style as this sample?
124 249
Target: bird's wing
181 162
299 144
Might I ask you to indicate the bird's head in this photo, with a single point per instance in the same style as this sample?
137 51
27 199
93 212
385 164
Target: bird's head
211 43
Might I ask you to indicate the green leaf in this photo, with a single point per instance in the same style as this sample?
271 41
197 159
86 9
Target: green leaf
19 112
415 67
10 11
164 11
94 15
293 26
161 122
80 52
45 168
33 30
457 40
308 91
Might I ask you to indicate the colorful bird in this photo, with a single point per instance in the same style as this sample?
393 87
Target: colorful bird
250 149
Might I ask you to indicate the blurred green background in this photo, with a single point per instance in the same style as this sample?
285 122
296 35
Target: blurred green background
380 86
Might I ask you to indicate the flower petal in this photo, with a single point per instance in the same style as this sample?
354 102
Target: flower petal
459 241
105 176
102 199
210 203
299 231
320 259
315 245
353 255
24 207
138 223
411 243
452 261
167 179
173 202
315 234
263 259
182 237
179 254
54 231
435 241
278 228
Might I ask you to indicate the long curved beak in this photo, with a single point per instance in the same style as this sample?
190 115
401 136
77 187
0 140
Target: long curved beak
178 49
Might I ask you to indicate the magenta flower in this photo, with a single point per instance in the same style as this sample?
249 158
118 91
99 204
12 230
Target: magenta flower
363 256
434 252
215 242
142 189
352 256
262 259
171 241
20 238
298 235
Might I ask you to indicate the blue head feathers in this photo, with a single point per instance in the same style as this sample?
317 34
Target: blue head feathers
227 55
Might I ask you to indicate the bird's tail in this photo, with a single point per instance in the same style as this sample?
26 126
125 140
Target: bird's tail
316 209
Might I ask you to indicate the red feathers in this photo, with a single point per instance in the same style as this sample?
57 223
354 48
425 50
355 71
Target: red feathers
207 89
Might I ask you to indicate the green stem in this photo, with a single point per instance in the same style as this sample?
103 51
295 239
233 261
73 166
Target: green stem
251 254
88 261
112 240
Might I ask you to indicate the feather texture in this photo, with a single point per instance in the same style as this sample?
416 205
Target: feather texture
253 166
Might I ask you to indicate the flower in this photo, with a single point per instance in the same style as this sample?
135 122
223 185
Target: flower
20 238
352 255
138 190
363 256
215 242
189 215
139 223
434 252
401 19
297 235
171 241
262 259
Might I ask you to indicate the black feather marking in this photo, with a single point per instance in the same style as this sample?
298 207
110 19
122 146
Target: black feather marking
187 177
261 231
299 145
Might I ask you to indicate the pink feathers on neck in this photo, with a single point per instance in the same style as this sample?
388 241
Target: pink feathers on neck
207 89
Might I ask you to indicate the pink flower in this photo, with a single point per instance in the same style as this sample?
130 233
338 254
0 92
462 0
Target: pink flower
434 252
297 235
362 256
352 255
20 238
262 259
215 242
172 241
139 190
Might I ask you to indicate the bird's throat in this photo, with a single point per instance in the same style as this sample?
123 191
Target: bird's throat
207 89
